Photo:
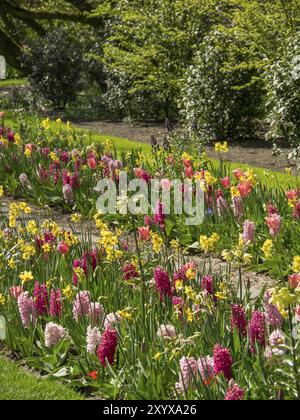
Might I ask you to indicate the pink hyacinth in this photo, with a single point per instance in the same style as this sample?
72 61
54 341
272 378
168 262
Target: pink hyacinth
222 361
272 314
93 338
238 208
206 369
82 304
26 309
96 313
274 224
163 283
16 291
257 330
249 231
166 331
111 320
40 298
187 374
55 309
234 392
53 334
108 346
277 338
238 319
222 206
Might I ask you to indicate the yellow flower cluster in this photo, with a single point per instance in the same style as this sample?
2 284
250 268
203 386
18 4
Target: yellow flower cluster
26 276
208 244
27 249
15 211
267 249
238 254
108 241
2 299
283 297
157 242
296 264
1 191
221 147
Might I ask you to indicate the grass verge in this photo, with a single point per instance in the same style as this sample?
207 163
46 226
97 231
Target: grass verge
17 384
12 83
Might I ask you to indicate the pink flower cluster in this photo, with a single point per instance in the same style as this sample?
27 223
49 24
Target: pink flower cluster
54 333
26 309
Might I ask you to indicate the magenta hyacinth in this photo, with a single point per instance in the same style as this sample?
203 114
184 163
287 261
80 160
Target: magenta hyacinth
238 319
163 283
257 330
41 298
108 346
234 393
159 216
55 309
26 309
222 361
207 285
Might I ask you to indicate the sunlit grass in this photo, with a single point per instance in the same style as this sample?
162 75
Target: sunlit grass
17 384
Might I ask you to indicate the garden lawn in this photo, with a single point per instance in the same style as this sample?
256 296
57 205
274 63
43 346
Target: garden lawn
16 384
271 179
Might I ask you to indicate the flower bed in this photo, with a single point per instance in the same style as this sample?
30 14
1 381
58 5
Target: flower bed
147 323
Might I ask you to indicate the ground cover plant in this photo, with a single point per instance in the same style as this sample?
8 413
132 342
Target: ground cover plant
96 310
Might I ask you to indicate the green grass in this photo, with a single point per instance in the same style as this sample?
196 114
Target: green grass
120 144
269 178
12 82
17 384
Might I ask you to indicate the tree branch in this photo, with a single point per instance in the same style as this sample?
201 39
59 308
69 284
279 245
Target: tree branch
45 15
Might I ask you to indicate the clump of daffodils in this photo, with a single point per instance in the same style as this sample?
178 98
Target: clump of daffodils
221 147
238 255
208 244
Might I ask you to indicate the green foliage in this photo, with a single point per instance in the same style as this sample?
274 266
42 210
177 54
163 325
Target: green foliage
222 97
149 48
284 93
56 63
